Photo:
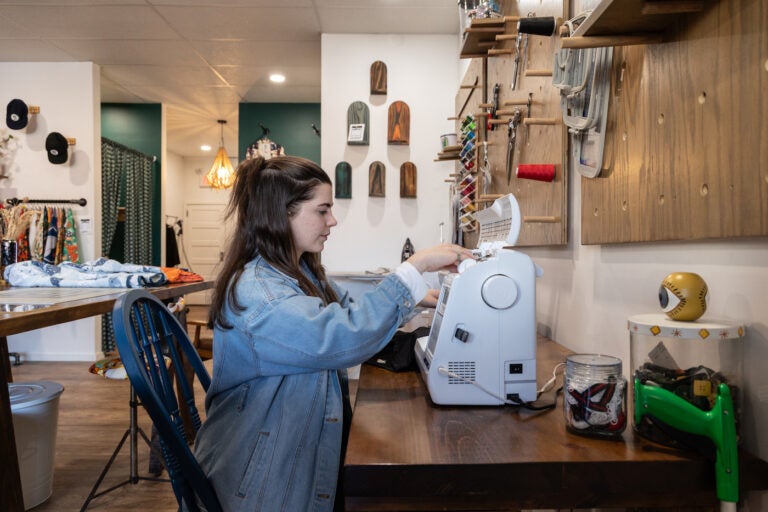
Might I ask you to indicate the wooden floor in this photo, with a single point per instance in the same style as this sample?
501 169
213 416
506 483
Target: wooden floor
93 416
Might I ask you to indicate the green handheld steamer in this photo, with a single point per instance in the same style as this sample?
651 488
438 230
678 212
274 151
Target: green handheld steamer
717 424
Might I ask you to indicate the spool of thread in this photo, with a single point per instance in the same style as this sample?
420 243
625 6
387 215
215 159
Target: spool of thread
538 172
543 26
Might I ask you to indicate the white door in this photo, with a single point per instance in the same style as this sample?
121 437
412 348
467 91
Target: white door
204 236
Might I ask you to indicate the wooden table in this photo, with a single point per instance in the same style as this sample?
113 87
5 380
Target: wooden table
406 453
11 499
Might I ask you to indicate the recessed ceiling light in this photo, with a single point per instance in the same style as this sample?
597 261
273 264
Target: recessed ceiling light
277 78
205 147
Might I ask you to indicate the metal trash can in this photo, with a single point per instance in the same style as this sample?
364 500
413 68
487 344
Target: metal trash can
35 409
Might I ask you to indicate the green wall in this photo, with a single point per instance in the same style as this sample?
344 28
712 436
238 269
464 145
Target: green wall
290 125
137 126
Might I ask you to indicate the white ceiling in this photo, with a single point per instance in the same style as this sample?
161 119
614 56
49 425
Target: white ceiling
202 58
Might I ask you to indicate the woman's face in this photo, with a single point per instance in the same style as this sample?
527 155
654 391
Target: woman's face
311 224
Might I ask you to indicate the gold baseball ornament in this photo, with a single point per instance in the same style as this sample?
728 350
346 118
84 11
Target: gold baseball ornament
683 296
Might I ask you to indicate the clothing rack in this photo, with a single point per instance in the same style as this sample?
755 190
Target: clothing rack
13 201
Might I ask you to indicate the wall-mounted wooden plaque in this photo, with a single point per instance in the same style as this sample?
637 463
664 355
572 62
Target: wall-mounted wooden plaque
378 78
399 124
408 177
358 121
343 181
377 179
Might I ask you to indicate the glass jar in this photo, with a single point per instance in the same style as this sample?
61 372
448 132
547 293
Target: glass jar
595 395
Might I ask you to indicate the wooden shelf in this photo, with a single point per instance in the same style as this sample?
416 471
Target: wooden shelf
481 37
632 17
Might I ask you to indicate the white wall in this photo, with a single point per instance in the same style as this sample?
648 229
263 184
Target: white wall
422 71
68 96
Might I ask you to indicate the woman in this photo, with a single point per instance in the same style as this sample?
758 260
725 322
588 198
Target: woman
278 407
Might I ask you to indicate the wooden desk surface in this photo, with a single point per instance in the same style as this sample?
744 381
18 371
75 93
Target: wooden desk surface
15 323
406 453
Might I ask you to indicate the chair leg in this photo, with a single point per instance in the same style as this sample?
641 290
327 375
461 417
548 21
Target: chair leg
132 433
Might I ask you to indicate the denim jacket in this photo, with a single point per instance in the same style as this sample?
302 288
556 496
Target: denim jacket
273 434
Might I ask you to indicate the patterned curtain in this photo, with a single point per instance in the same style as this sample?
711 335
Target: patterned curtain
123 164
112 162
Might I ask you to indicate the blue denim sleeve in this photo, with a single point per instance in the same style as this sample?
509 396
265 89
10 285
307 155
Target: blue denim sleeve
286 327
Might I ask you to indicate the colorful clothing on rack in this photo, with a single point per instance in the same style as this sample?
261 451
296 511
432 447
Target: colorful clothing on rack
52 237
70 250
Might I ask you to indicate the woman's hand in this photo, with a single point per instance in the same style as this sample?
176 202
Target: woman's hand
440 257
430 299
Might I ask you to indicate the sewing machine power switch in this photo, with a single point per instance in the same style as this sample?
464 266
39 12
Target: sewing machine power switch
461 334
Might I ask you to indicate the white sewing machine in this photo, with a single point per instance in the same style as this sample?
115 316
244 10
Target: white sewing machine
481 349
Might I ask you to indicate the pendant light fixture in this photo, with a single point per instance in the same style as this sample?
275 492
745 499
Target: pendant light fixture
221 175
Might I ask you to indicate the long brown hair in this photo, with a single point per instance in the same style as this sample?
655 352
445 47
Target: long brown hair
265 193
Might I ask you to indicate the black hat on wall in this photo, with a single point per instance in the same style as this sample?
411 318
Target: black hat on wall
16 115
57 147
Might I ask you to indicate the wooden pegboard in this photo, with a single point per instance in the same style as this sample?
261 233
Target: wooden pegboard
543 204
685 153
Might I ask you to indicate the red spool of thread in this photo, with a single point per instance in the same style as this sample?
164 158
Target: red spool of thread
538 172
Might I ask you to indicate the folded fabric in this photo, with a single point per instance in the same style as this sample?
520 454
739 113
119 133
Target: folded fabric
101 273
179 275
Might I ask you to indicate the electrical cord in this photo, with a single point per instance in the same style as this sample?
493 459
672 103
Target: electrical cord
516 402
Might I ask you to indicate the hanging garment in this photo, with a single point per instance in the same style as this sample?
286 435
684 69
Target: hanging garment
52 237
171 248
71 250
61 235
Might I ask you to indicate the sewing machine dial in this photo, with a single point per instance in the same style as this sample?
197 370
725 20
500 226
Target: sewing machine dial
499 291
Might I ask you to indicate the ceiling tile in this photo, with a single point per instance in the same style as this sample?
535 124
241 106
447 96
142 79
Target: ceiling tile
25 50
133 52
90 22
161 75
259 75
263 53
249 23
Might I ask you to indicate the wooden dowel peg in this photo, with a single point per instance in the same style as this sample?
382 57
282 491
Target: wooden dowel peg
497 121
33 109
510 103
71 141
486 105
541 120
485 30
599 41
538 72
506 37
488 197
511 19
469 86
543 219
500 51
